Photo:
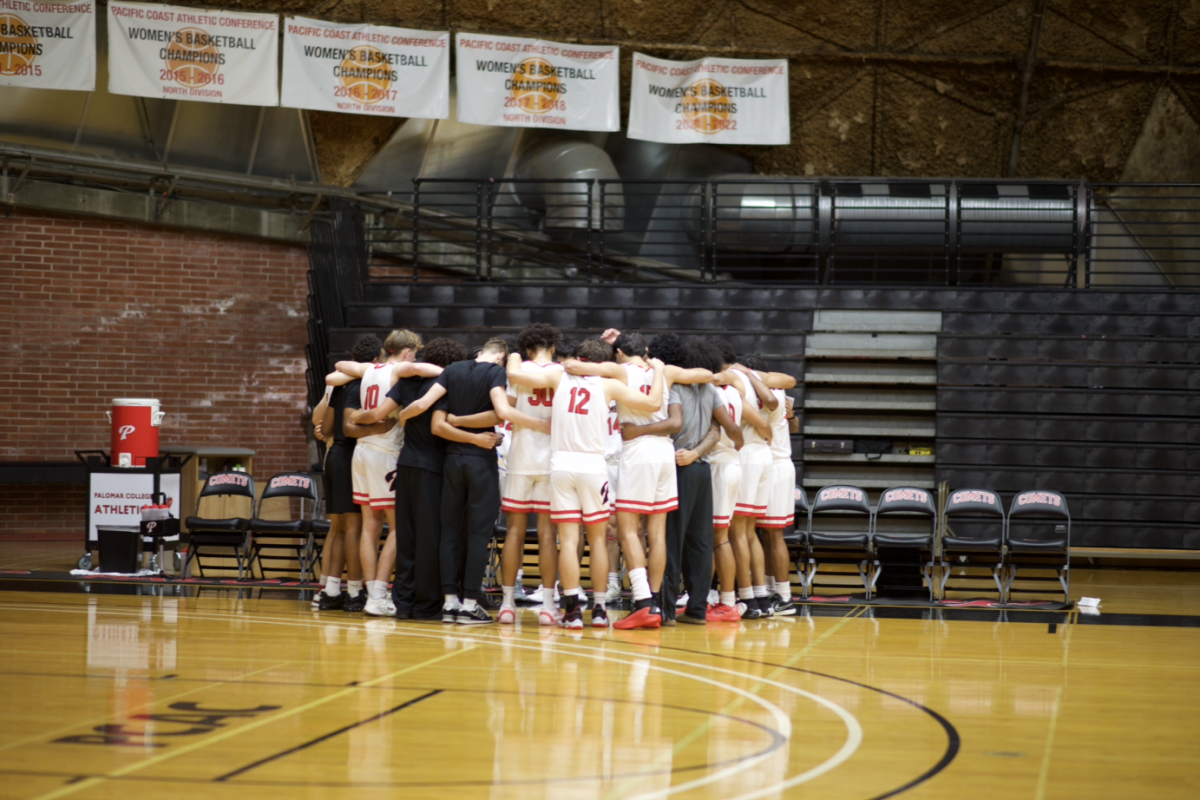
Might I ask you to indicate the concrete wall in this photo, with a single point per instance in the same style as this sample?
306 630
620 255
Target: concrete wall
213 326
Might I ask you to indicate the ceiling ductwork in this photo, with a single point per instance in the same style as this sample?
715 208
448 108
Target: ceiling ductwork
552 180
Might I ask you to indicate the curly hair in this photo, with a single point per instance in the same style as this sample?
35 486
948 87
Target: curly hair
669 348
367 348
538 336
594 350
631 343
443 352
755 363
728 354
567 348
704 354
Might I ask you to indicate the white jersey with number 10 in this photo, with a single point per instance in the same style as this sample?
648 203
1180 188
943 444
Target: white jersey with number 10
371 391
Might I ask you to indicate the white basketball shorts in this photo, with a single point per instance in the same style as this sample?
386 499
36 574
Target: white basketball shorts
614 472
648 484
726 480
579 497
372 472
756 481
526 494
781 495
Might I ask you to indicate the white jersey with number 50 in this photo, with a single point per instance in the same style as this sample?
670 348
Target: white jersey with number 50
579 425
371 391
529 453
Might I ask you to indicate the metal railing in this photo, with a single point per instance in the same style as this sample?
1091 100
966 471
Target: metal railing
808 231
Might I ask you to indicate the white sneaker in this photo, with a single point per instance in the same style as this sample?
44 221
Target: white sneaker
508 615
548 618
681 601
535 596
378 607
613 595
391 606
714 597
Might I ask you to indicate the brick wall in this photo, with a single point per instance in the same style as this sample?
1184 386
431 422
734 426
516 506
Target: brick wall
212 326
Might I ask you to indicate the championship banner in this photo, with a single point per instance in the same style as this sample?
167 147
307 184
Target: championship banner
713 100
365 69
530 83
48 45
193 54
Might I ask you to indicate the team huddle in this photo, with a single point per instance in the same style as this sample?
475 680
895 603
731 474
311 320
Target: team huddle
673 456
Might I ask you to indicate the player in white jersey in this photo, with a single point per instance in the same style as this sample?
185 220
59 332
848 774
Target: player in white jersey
526 488
374 464
578 472
647 473
781 494
613 445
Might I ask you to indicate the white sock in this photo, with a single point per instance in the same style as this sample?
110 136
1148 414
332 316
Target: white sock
784 590
760 591
509 591
746 593
333 586
728 598
452 601
376 590
469 604
614 579
640 583
771 584
600 599
354 588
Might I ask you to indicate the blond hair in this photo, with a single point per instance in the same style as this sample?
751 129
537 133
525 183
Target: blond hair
401 340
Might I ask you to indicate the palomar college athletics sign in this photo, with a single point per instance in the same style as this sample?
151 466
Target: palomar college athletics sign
193 54
533 83
365 69
713 100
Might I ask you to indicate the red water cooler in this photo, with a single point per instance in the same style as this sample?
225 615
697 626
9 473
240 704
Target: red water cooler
135 424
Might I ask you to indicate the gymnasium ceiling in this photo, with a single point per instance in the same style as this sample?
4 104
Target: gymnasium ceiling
1098 89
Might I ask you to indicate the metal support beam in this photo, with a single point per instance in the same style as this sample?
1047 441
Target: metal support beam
1020 117
82 120
171 132
262 115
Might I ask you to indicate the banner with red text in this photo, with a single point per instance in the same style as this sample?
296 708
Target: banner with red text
365 69
193 54
532 83
713 100
48 45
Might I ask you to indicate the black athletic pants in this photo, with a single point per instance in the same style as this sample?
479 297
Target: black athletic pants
417 590
690 541
470 493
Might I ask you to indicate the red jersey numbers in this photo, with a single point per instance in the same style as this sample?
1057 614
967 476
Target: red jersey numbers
372 401
579 400
646 389
732 413
542 397
614 426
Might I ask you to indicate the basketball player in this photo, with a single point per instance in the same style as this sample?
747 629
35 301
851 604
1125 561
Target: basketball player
578 472
781 504
374 464
647 475
345 519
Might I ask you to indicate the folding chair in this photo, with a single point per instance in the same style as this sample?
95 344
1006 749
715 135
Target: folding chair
973 507
1034 549
796 537
293 537
228 533
840 547
901 502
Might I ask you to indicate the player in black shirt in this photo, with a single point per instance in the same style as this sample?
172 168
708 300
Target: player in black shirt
470 479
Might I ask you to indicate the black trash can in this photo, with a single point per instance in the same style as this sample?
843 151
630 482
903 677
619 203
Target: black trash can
120 548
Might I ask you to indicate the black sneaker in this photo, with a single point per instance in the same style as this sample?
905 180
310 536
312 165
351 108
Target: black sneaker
750 610
327 603
688 619
450 615
355 605
599 617
781 607
764 605
476 616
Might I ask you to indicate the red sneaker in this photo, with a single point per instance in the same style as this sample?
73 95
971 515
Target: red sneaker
723 613
642 618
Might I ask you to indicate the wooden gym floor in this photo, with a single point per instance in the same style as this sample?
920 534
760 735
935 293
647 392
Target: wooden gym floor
111 694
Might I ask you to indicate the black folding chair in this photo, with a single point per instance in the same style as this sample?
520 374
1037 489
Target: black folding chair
975 509
851 547
901 502
286 540
1033 510
796 537
220 533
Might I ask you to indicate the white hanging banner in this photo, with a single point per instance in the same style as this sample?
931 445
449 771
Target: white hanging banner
530 83
48 45
365 69
193 54
713 100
